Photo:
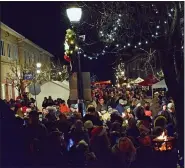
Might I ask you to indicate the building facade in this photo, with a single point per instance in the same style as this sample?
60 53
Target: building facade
14 47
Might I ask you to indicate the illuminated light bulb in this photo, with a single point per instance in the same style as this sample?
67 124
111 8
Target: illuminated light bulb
103 51
85 55
139 43
124 46
172 9
119 15
115 28
158 27
156 33
152 5
38 71
117 45
72 42
156 11
165 22
152 35
169 14
71 52
128 44
122 73
101 32
113 39
106 46
76 47
135 46
90 58
96 58
182 47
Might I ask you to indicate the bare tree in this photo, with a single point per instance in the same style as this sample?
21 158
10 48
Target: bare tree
22 76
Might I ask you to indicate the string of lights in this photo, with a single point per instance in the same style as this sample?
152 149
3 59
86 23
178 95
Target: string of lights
109 34
125 30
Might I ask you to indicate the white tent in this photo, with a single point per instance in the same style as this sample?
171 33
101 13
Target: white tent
55 89
138 80
161 84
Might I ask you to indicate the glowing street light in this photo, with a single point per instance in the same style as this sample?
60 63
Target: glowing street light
38 65
74 14
38 71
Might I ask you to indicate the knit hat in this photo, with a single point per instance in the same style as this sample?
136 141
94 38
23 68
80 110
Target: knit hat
98 131
127 107
163 104
170 105
121 101
88 124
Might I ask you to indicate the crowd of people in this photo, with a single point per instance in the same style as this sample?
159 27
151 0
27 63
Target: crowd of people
117 131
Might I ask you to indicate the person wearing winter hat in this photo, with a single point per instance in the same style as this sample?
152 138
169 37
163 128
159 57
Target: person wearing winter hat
164 109
88 125
100 144
123 153
120 106
128 113
171 118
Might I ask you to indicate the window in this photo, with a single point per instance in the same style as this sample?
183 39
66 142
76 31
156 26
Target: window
9 50
16 53
25 57
2 48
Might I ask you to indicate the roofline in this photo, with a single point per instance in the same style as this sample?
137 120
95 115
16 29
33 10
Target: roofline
13 32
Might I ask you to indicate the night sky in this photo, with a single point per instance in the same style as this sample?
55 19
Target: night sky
45 24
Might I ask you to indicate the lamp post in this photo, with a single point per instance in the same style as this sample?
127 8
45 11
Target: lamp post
37 71
74 14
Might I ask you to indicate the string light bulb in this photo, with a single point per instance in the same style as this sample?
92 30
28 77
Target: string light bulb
146 42
135 46
152 35
156 33
124 46
158 26
85 55
165 22
128 44
139 43
117 45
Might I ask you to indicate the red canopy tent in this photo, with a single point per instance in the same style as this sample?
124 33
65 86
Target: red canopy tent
149 81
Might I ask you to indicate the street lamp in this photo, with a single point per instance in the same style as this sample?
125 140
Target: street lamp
74 14
38 65
38 71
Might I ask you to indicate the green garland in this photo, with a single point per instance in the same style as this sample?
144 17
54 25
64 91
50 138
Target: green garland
70 43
